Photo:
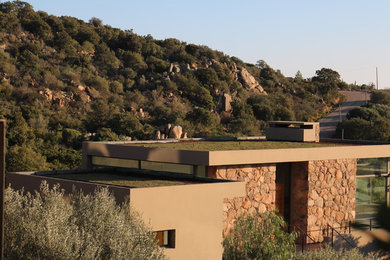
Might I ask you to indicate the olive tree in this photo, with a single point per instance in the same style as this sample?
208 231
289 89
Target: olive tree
259 236
45 225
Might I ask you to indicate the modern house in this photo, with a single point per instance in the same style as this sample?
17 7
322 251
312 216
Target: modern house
312 185
205 185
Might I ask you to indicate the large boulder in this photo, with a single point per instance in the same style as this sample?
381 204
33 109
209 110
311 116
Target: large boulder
249 81
175 132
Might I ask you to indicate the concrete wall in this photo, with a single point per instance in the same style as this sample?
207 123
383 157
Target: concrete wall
31 183
194 211
260 190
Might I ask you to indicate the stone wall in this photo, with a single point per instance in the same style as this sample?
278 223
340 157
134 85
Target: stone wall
322 193
331 195
260 190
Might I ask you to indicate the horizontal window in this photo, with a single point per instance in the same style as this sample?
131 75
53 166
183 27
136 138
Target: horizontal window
197 170
114 162
167 167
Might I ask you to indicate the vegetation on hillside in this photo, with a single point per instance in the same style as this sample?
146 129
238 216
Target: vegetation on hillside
63 80
369 122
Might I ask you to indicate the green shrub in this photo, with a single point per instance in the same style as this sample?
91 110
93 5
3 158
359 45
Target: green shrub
24 158
259 236
44 225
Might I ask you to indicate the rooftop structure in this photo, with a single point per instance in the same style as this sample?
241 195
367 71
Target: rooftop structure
293 131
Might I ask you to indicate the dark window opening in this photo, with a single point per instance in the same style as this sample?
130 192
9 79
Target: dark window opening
166 238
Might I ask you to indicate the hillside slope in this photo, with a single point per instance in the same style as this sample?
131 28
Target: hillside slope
64 81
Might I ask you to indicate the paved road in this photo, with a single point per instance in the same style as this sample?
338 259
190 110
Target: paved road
328 124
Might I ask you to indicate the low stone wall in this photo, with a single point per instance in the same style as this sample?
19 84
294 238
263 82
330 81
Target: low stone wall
260 190
331 195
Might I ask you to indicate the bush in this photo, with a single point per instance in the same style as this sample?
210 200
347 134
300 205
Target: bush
259 236
46 226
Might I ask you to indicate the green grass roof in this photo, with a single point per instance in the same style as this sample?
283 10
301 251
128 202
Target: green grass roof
232 145
127 180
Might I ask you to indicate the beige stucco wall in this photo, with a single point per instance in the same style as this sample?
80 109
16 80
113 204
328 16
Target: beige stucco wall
31 183
259 186
194 211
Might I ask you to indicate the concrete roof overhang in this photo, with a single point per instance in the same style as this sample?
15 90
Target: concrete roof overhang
233 157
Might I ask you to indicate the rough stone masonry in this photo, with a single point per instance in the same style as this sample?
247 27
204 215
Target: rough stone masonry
322 193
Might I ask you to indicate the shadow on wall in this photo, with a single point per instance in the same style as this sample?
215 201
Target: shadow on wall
362 240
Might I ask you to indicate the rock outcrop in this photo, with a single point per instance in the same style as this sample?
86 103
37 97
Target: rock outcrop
249 82
175 132
169 131
224 103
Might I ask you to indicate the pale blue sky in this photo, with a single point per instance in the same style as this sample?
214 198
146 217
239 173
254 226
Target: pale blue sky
349 36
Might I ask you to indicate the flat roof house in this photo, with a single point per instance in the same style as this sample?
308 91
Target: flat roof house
313 185
192 191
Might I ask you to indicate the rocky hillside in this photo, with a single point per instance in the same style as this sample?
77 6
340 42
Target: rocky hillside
64 81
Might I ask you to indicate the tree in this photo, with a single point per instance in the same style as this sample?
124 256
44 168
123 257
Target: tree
24 158
46 225
298 76
365 113
201 116
327 76
96 22
380 97
259 236
106 134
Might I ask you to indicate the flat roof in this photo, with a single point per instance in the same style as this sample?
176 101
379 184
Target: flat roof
128 178
232 145
291 123
233 153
